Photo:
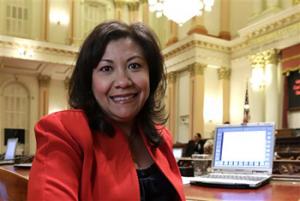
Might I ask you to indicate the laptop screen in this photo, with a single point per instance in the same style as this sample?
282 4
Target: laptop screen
248 146
177 152
11 148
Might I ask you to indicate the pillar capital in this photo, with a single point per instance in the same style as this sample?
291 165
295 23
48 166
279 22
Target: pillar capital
172 77
270 56
44 80
197 69
257 59
265 57
224 73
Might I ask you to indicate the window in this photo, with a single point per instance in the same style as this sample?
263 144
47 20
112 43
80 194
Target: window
17 18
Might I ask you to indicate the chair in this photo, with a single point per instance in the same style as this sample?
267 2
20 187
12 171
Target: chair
13 186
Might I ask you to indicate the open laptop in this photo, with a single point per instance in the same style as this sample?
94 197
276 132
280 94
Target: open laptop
9 157
177 152
242 158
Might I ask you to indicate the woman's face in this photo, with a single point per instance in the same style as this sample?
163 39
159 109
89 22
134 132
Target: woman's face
120 82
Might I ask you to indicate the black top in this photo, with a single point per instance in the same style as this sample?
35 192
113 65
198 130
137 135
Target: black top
154 186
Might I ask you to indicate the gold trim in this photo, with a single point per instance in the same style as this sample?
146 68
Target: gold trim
295 2
291 58
7 44
275 26
196 69
290 70
43 80
270 56
224 73
195 44
266 57
172 76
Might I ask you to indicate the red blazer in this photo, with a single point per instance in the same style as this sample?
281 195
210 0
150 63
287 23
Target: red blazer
71 163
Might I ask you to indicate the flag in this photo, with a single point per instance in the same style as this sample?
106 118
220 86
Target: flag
246 117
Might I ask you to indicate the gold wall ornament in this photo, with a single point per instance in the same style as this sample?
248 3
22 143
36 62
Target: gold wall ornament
270 56
44 80
172 77
257 59
133 8
266 57
196 69
224 73
195 44
295 2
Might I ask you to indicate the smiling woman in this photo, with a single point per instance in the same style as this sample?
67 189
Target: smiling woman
112 145
120 82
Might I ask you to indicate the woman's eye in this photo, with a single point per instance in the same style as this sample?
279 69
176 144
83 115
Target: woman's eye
134 66
105 68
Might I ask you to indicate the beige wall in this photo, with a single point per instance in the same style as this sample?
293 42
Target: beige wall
55 46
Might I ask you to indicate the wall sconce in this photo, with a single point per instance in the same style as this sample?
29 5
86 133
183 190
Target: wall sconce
59 18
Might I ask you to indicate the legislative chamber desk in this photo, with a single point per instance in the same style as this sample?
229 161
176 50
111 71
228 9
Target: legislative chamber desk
274 191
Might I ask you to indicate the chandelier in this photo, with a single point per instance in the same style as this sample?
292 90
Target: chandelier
179 11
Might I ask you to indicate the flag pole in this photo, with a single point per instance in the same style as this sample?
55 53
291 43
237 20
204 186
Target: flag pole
246 117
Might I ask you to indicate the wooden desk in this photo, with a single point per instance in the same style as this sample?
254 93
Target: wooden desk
274 191
13 183
21 171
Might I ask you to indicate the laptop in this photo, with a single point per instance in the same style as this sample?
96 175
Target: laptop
242 157
177 152
9 157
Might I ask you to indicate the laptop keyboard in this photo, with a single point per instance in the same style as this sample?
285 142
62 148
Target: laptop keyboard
234 177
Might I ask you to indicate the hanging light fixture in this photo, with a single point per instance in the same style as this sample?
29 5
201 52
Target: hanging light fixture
180 11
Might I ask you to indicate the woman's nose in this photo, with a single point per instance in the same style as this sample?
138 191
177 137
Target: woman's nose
123 79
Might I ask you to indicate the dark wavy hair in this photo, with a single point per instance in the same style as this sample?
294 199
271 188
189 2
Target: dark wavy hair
92 50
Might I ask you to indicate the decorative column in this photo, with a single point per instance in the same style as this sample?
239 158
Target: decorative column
224 78
133 11
197 98
173 33
44 81
77 22
46 20
224 19
198 25
71 24
171 103
145 8
257 94
118 10
271 87
272 5
295 2
257 8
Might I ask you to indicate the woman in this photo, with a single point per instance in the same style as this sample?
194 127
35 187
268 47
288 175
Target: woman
111 145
